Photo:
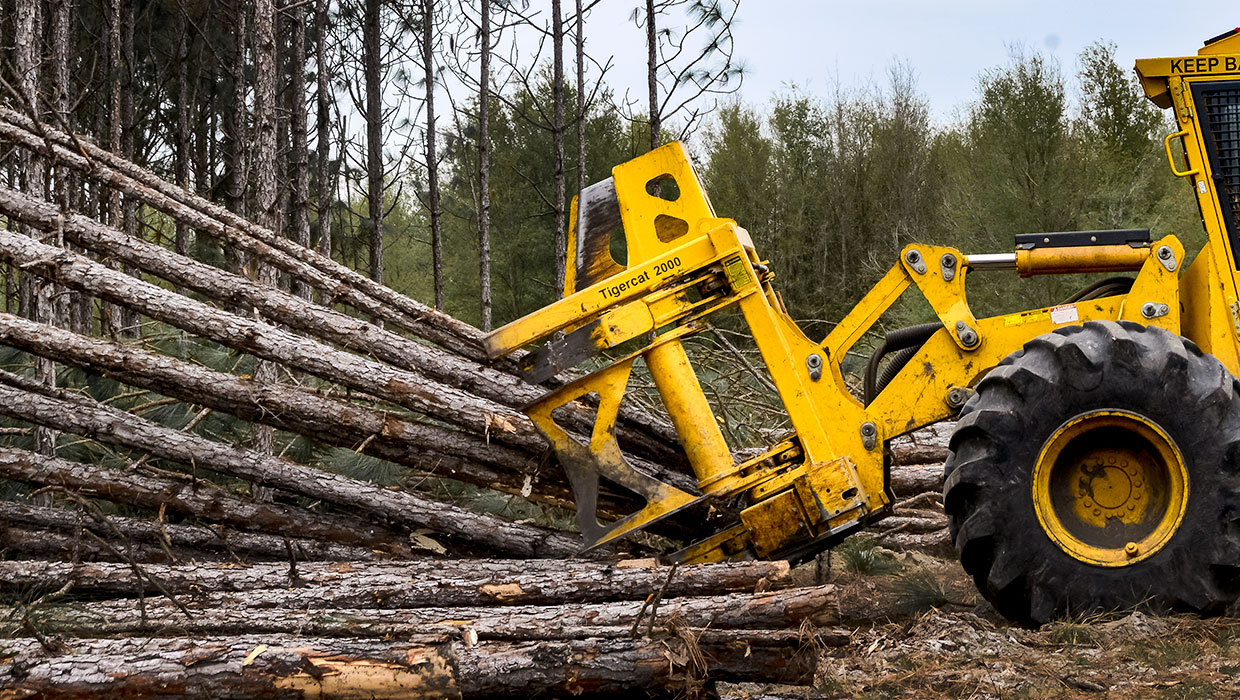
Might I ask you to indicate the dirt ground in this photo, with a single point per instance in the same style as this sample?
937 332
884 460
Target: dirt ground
920 630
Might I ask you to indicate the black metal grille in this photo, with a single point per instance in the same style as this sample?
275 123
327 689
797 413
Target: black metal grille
1219 108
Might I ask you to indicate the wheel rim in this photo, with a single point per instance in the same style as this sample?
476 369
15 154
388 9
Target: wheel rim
1110 487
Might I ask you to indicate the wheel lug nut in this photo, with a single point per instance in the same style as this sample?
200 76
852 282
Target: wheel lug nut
1131 549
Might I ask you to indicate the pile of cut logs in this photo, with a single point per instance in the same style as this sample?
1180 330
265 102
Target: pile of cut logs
146 576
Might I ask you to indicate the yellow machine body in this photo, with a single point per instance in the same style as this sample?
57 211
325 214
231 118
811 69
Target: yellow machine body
683 263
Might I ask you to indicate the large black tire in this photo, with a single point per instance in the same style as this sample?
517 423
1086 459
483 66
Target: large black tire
988 492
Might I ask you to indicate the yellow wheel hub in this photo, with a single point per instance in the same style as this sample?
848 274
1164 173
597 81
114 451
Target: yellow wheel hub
1110 487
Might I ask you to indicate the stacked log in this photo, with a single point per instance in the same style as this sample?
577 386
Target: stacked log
423 399
477 628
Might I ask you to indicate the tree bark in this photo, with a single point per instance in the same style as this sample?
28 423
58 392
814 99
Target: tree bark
348 285
377 300
130 321
262 437
195 498
249 614
299 172
432 159
557 134
90 419
414 584
372 69
581 99
28 543
432 449
652 75
484 164
268 342
323 96
235 132
298 314
233 231
36 295
184 542
183 132
277 666
912 480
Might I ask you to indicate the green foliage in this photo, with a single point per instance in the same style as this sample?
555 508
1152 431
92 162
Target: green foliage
919 590
862 555
847 182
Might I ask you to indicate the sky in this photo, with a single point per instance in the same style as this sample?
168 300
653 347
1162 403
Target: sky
948 43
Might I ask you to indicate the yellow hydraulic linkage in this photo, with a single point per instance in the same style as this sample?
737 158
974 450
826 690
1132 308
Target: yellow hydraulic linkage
684 264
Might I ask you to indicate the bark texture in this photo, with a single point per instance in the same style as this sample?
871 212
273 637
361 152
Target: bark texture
414 584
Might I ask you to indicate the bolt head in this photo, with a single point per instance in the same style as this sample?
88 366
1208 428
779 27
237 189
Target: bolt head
1132 549
1164 252
949 260
912 257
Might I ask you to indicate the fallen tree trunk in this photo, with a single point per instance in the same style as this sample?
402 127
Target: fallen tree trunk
929 445
195 498
182 541
235 231
88 418
382 434
302 315
265 666
401 387
249 614
27 543
299 262
915 480
908 523
413 584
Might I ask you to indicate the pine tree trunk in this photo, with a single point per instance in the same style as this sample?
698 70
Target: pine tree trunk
581 100
37 295
345 330
59 529
183 134
426 447
236 134
262 437
112 426
195 498
652 77
484 165
299 153
249 613
432 160
372 68
346 284
278 666
326 176
557 131
420 583
130 321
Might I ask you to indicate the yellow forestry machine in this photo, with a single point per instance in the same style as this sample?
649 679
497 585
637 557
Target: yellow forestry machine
1096 461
